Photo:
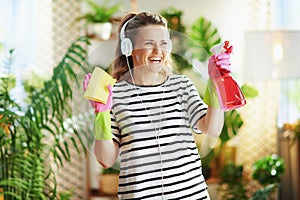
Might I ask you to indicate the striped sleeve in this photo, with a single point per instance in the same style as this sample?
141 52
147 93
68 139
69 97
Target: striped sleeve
196 108
115 128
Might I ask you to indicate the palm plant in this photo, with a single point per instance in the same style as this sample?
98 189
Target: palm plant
35 134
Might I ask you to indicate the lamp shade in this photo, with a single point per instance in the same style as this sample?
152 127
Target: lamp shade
272 55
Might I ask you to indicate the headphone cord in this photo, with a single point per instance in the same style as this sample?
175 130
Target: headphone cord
155 128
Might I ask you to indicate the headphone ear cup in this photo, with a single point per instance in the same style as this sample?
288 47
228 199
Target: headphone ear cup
126 46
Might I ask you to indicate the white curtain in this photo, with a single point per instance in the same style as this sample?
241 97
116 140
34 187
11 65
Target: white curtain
17 31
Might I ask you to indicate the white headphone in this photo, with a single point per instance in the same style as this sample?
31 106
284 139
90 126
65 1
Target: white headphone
126 44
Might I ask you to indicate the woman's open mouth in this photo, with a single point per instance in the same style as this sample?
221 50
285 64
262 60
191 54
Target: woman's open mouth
155 60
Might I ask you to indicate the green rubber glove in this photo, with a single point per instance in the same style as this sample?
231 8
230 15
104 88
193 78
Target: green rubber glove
102 126
210 95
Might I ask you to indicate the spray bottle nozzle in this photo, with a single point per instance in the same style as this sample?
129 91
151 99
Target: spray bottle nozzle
222 47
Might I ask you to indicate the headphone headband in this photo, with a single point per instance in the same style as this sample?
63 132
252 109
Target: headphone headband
122 32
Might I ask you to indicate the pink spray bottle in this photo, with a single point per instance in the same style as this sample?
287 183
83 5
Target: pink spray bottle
229 93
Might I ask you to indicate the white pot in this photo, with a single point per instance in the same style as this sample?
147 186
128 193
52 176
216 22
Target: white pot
102 30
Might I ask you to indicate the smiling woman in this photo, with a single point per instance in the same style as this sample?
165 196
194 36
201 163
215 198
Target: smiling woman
153 113
150 54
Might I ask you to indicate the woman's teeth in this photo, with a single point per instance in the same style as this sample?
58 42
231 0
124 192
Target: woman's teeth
155 60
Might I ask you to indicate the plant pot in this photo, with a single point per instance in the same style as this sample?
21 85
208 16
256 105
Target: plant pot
109 183
226 155
101 30
1 195
206 172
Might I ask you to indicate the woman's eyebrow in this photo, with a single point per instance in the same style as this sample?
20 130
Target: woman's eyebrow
151 40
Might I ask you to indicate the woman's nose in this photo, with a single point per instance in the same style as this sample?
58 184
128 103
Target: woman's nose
157 48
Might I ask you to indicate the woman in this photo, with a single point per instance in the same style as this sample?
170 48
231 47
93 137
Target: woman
152 117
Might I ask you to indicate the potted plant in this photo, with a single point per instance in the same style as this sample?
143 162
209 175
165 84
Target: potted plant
232 182
99 18
292 130
267 171
109 179
35 132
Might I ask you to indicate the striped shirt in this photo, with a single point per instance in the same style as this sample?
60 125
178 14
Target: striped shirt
153 127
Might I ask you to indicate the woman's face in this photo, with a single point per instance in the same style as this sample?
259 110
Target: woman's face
151 47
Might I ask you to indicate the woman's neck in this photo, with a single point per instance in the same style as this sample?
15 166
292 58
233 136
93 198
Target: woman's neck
148 78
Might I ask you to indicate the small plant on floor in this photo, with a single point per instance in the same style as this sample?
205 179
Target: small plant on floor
268 171
232 182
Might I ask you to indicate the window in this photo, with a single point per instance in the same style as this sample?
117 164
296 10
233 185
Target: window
17 31
287 14
287 18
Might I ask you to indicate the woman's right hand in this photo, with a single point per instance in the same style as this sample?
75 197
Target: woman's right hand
98 107
105 149
218 65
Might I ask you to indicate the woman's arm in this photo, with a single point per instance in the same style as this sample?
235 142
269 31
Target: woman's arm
213 122
106 152
105 149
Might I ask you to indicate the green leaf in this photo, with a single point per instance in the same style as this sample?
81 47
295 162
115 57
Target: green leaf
67 150
232 124
249 91
263 194
22 148
99 12
204 36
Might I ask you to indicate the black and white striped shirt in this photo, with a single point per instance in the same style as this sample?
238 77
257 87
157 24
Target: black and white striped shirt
153 127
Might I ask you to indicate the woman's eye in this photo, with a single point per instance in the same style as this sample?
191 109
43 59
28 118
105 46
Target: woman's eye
164 44
149 43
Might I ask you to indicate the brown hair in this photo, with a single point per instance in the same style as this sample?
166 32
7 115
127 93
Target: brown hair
135 22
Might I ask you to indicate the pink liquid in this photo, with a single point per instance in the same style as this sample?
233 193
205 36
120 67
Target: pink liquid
229 93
